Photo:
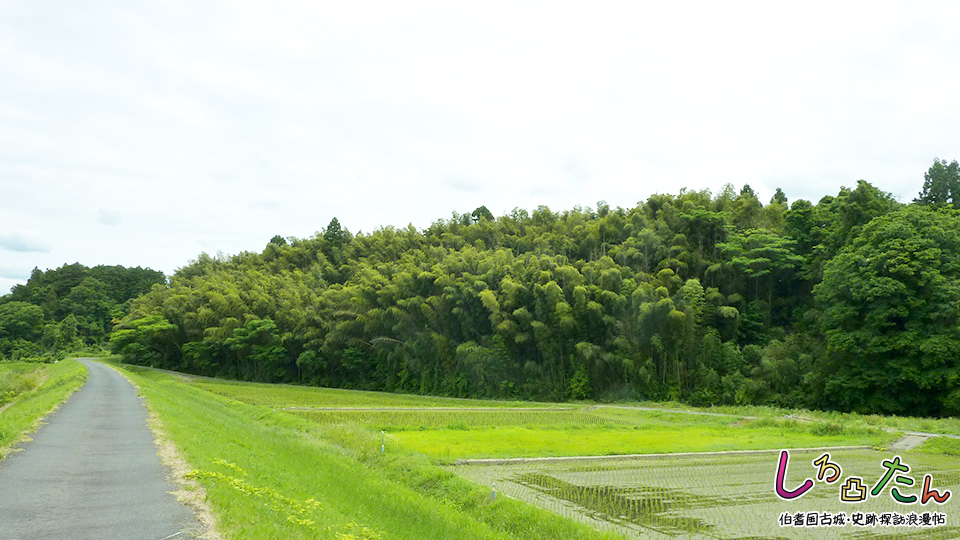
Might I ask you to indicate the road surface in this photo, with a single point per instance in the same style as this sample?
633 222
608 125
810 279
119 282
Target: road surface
92 472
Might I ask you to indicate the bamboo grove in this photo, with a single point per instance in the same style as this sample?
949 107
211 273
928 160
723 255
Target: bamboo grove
702 298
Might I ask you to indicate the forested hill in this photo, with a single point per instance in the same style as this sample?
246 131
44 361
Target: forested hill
852 303
68 308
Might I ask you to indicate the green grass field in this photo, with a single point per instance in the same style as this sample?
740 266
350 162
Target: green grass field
537 441
588 431
294 462
569 430
418 419
271 474
282 395
29 391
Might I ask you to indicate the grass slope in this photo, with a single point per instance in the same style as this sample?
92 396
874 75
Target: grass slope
270 474
29 391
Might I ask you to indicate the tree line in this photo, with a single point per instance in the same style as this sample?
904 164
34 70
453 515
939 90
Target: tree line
850 303
69 308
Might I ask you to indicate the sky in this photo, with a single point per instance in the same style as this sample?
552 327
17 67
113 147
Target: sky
146 133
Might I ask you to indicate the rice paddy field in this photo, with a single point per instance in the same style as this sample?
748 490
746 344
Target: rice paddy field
289 396
729 495
449 435
648 472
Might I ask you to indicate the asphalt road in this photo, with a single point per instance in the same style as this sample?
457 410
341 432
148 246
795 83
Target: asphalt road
92 472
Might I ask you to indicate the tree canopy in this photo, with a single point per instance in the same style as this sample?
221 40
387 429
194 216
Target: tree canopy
849 303
890 304
941 185
697 297
69 307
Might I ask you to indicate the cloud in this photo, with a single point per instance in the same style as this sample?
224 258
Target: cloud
24 242
215 126
109 217
6 285
462 183
14 273
265 204
575 170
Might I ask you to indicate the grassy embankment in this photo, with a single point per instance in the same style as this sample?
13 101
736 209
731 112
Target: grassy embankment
28 391
271 474
315 470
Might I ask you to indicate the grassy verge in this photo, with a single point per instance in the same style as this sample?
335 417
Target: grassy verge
270 474
17 378
28 392
941 445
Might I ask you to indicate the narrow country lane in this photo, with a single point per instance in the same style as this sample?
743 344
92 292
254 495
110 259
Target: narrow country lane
92 472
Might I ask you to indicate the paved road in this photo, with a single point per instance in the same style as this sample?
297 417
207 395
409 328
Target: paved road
92 473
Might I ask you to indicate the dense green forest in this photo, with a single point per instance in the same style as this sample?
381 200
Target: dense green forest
68 309
852 303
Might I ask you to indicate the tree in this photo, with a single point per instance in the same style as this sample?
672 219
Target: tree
766 262
67 332
20 320
335 237
147 340
481 213
890 305
90 297
746 209
258 350
90 302
836 221
333 234
579 388
941 185
779 197
682 297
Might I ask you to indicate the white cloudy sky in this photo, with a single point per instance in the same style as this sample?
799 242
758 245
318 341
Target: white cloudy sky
145 133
